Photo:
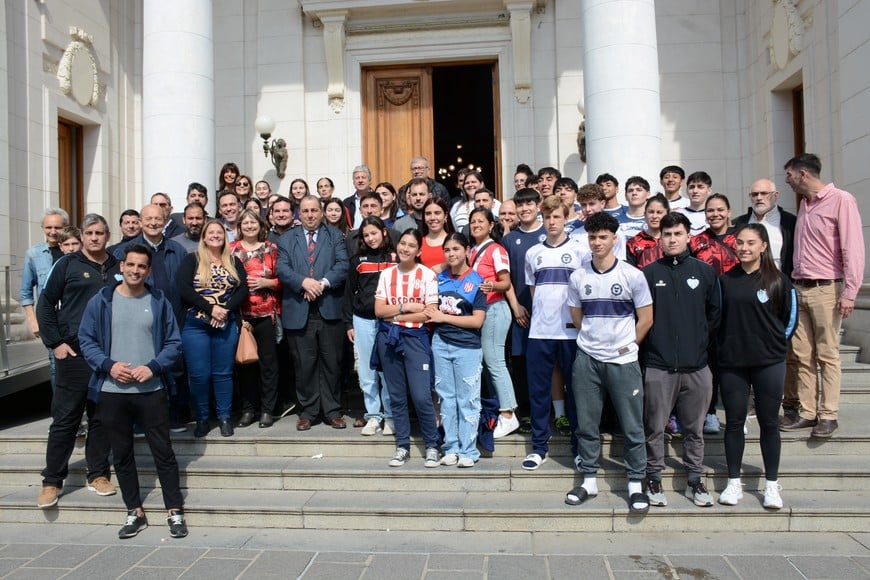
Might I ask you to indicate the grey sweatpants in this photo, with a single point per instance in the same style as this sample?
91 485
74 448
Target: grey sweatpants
690 393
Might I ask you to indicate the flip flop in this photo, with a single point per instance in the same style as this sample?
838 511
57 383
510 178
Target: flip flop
638 498
577 496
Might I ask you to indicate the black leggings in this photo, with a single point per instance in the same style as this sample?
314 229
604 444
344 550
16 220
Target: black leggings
767 384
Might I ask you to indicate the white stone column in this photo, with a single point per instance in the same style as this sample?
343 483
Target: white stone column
621 89
177 98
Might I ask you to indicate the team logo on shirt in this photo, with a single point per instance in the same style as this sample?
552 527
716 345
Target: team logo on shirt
542 237
468 287
661 284
692 282
539 260
762 296
587 289
86 274
616 289
566 258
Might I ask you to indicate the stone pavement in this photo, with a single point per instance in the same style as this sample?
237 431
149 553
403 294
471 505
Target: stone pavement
46 551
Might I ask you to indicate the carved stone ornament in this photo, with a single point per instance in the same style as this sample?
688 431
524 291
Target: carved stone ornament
397 93
581 139
77 70
786 32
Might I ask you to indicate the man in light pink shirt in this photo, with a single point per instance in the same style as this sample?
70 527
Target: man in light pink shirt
828 270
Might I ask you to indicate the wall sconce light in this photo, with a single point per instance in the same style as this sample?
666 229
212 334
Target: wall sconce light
277 149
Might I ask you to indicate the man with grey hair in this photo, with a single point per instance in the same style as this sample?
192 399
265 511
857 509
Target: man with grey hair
37 264
74 280
779 223
362 184
420 169
170 228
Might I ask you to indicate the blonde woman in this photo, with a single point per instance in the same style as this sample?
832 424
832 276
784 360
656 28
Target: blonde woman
213 286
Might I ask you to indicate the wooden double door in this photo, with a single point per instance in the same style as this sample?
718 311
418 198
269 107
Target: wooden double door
397 120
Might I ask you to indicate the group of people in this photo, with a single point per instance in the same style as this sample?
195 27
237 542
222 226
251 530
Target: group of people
639 317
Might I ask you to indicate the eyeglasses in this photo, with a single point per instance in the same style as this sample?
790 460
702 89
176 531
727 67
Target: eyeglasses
419 167
761 193
243 184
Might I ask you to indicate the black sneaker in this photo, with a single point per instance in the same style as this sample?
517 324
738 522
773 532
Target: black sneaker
133 526
177 527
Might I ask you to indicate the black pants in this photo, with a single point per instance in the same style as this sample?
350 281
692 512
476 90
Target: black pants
67 405
151 412
259 381
767 384
316 351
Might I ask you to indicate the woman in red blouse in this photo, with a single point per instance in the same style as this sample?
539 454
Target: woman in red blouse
263 310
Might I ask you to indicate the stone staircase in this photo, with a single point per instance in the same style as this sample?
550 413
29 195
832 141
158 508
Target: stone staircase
339 480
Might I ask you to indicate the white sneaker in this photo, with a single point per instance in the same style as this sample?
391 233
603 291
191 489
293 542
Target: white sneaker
772 499
466 462
389 427
372 427
505 426
711 424
450 459
431 457
400 458
732 493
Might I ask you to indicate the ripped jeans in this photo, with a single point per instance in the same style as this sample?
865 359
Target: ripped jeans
457 380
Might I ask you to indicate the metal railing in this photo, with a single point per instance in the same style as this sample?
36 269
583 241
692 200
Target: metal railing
23 358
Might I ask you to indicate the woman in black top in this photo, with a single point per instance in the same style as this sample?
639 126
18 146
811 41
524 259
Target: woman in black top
759 315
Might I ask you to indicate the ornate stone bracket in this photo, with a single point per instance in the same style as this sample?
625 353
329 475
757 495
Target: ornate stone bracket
77 71
786 32
333 41
521 37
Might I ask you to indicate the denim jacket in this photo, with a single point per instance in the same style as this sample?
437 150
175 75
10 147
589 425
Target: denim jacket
37 266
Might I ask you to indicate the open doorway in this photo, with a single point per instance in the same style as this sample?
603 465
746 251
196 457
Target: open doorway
445 112
464 104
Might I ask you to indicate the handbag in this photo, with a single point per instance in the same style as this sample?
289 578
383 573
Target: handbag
246 351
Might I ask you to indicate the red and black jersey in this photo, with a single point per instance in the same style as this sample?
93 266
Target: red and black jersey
643 249
717 251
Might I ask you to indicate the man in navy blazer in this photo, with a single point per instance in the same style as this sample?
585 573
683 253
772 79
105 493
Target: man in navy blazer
312 267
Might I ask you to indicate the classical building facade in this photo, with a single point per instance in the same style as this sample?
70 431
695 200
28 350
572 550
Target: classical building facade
108 102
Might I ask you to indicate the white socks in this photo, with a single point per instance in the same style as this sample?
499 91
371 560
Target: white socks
634 487
590 484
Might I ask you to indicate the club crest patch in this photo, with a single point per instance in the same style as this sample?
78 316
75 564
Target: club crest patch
762 296
692 282
616 289
566 258
468 287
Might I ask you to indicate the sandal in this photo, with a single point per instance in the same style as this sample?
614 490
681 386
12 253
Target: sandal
578 495
638 498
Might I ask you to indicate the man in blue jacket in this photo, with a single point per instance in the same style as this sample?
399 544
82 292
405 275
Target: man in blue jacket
130 381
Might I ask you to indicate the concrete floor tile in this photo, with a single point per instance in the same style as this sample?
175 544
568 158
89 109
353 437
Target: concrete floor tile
592 567
818 567
152 573
7 565
639 564
173 557
516 567
702 567
334 571
110 563
764 567
24 550
469 562
36 574
343 557
216 569
68 556
397 566
239 554
274 564
453 575
638 575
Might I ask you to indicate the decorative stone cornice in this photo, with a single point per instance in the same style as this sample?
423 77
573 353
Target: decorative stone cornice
786 32
333 23
77 72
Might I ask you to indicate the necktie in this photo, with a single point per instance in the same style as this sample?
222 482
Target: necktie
311 246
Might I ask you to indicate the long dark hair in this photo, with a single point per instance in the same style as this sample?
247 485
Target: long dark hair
448 223
394 207
414 233
497 229
342 224
386 244
770 279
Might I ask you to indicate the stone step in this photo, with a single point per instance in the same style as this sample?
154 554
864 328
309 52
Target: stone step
453 511
282 440
806 472
849 354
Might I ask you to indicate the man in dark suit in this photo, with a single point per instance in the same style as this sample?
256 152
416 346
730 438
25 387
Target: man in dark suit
312 267
779 223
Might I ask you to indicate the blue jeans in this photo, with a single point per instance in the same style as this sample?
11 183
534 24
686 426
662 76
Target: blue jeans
492 337
371 382
457 380
210 355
